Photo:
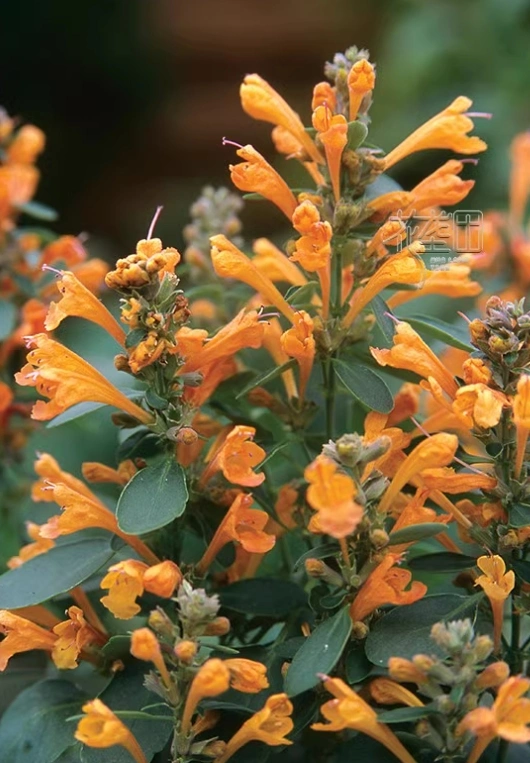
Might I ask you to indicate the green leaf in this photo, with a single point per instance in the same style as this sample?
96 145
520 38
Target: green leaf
134 337
521 569
357 132
416 532
299 296
404 714
445 561
320 653
153 498
155 401
267 597
38 211
319 552
34 728
265 378
382 316
73 413
405 631
358 666
8 317
58 570
519 515
454 335
365 386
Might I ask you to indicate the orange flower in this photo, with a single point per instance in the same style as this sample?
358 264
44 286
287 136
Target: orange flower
331 493
247 675
73 635
332 132
405 671
236 456
479 405
521 419
21 635
441 188
27 144
145 646
453 281
269 725
497 584
149 264
272 342
100 728
412 354
361 81
387 692
448 129
298 342
241 524
229 262
212 376
507 718
275 265
286 143
51 473
313 250
393 201
385 585
39 546
393 232
93 471
77 300
127 580
324 95
66 379
405 267
415 513
519 178
261 101
255 175
212 678
349 711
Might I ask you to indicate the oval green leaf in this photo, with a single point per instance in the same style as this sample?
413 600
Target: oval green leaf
416 532
319 654
153 498
267 597
365 385
445 561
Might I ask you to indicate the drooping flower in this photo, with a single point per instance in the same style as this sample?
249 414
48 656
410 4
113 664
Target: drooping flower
388 692
298 342
349 711
361 81
247 675
101 728
93 471
66 379
386 584
73 636
453 281
22 635
270 725
332 131
272 342
497 584
331 493
235 455
256 175
212 678
127 580
145 646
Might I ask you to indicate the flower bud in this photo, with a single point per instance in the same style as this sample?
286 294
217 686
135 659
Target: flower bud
186 651
482 647
379 538
218 627
121 363
360 630
187 436
493 675
160 623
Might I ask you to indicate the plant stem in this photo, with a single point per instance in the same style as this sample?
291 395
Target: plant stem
330 390
502 751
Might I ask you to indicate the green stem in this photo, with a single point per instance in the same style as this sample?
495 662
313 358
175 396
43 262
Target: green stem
330 391
502 751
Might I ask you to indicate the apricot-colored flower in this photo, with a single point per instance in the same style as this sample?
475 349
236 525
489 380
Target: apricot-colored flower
349 711
274 264
255 175
519 178
127 580
93 471
497 584
521 419
21 635
286 143
313 249
361 81
392 233
447 129
270 725
453 281
272 342
412 354
212 678
298 342
145 646
76 300
241 524
247 675
27 144
236 455
448 481
415 513
405 671
261 101
388 692
331 493
507 718
405 268
229 262
393 201
50 473
386 584
39 546
149 264
332 131
100 728
442 188
324 95
479 405
66 379
73 636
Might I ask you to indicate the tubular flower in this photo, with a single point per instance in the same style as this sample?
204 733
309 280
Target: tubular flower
93 471
415 513
26 146
229 262
285 143
100 728
76 300
435 451
212 376
261 101
22 635
441 188
313 250
519 178
452 282
331 493
298 342
272 343
148 351
361 81
247 675
332 131
255 175
479 405
127 580
50 473
39 546
241 524
497 584
387 692
349 711
324 95
145 646
236 457
405 267
73 635
521 419
270 725
448 129
385 585
275 265
507 718
66 379
393 232
412 354
212 679
406 671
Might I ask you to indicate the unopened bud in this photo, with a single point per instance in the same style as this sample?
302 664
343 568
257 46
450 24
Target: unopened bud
160 623
379 538
478 331
121 363
445 704
218 627
360 630
482 647
187 436
493 675
214 749
349 448
186 651
423 662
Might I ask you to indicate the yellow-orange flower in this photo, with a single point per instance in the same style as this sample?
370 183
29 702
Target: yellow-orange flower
386 584
66 379
247 675
448 129
235 455
349 711
313 249
519 178
453 281
150 262
361 81
145 646
479 405
73 636
521 418
298 342
39 546
497 584
332 131
93 471
22 635
507 718
255 175
241 524
387 692
76 300
331 493
100 728
127 580
270 725
272 342
275 265
261 101
212 678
